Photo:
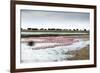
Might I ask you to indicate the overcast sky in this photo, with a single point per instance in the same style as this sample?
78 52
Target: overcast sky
53 19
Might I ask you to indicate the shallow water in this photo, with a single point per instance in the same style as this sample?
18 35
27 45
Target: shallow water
38 33
58 53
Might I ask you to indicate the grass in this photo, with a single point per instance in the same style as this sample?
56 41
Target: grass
54 33
82 54
69 31
46 35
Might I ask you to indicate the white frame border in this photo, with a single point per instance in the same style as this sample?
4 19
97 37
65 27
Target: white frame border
52 64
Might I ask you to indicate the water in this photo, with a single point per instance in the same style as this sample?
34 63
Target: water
38 33
49 54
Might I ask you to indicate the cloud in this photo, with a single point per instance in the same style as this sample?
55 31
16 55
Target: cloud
53 19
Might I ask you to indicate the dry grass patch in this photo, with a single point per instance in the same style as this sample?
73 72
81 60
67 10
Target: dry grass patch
82 54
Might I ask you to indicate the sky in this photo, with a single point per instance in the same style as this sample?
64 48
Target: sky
54 19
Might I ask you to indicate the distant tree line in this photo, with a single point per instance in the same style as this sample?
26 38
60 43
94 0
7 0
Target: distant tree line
54 29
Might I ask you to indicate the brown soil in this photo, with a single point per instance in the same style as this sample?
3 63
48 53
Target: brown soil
82 54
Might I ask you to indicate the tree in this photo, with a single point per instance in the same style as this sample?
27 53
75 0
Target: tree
85 30
41 29
29 28
74 30
77 30
21 28
34 29
51 29
69 30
